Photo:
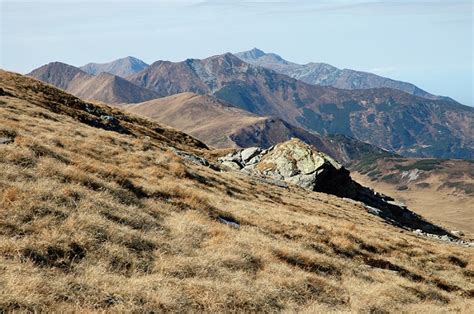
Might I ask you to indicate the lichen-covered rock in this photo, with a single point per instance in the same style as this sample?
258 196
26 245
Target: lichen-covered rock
298 163
249 153
231 165
294 162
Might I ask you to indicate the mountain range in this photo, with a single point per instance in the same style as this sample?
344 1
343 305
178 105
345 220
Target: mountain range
327 75
389 118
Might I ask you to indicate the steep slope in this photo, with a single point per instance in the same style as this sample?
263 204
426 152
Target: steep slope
327 75
121 67
98 212
442 190
59 74
222 125
105 87
387 118
110 89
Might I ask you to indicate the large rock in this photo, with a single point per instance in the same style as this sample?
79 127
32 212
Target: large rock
294 162
298 163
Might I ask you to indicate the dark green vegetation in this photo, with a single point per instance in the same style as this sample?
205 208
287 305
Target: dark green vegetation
454 174
422 164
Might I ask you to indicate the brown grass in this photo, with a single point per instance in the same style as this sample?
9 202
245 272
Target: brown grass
96 220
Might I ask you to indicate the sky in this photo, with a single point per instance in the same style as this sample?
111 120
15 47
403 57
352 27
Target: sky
425 42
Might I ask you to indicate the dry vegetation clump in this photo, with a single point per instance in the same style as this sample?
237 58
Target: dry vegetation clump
98 220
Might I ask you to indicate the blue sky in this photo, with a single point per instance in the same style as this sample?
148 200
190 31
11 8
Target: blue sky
429 43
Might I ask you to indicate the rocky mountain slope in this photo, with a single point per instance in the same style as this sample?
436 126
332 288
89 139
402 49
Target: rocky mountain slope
103 211
104 87
327 75
442 190
222 125
121 67
388 118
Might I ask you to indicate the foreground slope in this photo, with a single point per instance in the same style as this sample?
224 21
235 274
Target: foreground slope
327 75
222 125
104 87
98 213
387 118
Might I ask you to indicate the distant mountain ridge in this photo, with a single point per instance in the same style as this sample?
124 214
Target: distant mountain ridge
104 87
121 67
387 118
327 75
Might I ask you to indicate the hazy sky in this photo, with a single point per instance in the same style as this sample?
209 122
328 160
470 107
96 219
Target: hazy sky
429 43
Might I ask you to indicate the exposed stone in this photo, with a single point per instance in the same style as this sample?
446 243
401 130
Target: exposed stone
373 210
6 140
107 118
248 153
231 165
457 233
229 222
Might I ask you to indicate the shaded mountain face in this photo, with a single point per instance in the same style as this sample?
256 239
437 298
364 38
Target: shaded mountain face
388 118
222 125
104 87
327 75
121 67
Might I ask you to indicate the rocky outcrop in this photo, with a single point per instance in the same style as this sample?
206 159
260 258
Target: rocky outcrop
297 163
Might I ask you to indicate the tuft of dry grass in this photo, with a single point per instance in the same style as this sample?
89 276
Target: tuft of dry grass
97 220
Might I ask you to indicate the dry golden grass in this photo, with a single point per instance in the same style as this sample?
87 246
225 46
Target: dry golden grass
96 220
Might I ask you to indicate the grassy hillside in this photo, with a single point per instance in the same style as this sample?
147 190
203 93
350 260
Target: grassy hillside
97 213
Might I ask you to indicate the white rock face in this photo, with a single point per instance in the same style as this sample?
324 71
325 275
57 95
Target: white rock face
411 175
248 153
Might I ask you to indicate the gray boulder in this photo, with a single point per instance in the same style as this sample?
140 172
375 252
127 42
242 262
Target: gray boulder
249 153
294 162
6 140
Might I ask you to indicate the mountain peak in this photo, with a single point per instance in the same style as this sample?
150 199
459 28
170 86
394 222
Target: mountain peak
252 54
121 67
257 53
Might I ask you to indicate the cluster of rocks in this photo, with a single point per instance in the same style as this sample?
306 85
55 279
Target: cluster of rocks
446 238
245 159
293 162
